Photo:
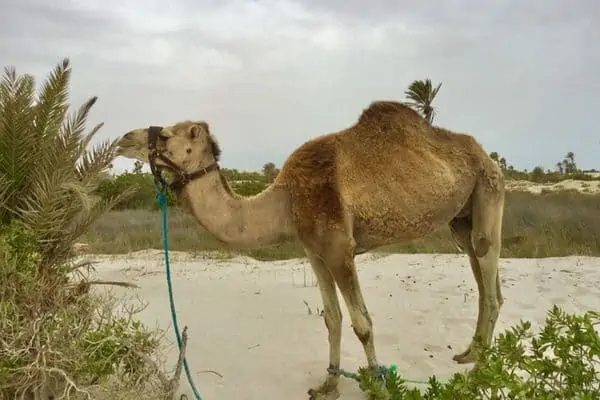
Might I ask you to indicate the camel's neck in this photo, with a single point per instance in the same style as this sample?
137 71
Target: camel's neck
249 222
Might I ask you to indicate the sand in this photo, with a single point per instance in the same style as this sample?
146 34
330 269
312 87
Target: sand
588 187
248 319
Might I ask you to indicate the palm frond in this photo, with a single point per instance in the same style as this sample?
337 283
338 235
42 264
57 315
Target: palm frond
17 144
95 162
72 131
53 100
421 94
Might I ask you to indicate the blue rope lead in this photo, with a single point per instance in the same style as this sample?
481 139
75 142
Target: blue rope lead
162 200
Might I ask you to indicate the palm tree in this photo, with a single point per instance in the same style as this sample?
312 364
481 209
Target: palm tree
421 94
569 163
48 176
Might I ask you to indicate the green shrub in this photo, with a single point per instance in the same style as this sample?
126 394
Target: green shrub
248 188
561 362
143 198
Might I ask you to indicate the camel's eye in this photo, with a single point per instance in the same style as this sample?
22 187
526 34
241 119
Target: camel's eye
188 150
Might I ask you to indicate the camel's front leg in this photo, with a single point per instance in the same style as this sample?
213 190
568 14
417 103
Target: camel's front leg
333 320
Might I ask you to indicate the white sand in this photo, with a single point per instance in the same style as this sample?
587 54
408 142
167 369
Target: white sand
247 319
589 187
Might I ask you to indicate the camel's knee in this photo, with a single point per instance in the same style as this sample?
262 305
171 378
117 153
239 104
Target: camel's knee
493 306
333 319
363 327
481 243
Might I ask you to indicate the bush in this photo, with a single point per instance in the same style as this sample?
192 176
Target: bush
53 331
57 339
561 362
248 188
143 198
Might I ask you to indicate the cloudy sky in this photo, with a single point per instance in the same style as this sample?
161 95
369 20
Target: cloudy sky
520 75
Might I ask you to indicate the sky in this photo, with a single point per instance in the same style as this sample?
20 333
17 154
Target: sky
521 76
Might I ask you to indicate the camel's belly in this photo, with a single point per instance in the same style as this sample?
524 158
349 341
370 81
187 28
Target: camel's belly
385 221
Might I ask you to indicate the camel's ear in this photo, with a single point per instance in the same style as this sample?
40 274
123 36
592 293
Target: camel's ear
197 129
166 133
202 127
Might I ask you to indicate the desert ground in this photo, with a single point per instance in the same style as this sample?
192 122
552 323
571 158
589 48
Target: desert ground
257 323
590 187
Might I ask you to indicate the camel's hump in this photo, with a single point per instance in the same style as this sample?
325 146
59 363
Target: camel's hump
385 110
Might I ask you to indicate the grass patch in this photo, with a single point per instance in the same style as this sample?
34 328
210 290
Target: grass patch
554 224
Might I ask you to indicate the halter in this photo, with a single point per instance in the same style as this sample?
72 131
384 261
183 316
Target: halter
183 178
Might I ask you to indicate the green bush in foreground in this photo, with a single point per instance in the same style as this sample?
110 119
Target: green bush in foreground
561 362
54 339
58 339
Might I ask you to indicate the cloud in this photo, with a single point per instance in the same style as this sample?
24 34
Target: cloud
269 74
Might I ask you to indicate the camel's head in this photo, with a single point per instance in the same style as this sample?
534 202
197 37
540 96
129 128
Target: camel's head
187 145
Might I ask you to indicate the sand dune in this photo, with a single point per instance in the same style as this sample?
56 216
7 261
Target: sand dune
248 319
590 187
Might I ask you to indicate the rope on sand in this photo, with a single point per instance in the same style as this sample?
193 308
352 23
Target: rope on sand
162 200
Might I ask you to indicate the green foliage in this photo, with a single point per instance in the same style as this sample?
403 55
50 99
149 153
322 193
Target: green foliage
270 172
46 327
565 169
561 362
236 175
248 188
107 351
47 174
53 331
145 191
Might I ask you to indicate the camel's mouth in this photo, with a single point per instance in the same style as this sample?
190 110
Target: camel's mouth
133 145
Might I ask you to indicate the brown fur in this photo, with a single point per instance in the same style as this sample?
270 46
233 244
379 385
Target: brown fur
390 177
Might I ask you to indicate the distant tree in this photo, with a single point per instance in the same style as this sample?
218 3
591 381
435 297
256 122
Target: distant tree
502 163
537 174
137 167
569 163
421 94
270 172
571 157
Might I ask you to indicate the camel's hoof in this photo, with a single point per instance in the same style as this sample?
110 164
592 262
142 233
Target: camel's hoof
319 394
467 356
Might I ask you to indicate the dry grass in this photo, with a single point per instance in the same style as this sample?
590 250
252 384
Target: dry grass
553 224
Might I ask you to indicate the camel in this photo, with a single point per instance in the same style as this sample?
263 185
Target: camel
389 177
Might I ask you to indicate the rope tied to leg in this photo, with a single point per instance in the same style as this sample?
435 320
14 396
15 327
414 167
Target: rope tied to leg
381 371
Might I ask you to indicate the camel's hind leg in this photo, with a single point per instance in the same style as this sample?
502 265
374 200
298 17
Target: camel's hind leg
480 236
332 315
